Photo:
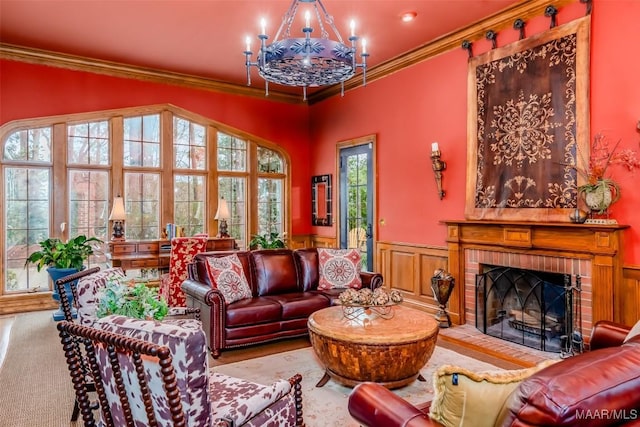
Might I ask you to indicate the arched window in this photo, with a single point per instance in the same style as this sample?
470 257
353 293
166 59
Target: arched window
169 165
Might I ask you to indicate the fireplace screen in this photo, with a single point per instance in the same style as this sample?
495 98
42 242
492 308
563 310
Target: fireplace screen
524 307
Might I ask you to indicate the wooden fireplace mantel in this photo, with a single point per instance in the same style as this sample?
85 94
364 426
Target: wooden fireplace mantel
602 244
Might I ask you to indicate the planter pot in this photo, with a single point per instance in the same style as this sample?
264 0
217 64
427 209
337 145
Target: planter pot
59 273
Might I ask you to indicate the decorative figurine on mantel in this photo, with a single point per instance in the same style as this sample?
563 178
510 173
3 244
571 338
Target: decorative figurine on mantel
442 284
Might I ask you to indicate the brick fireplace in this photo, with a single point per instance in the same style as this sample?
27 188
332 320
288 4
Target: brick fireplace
592 251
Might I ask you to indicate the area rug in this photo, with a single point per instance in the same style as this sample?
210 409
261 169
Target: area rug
327 406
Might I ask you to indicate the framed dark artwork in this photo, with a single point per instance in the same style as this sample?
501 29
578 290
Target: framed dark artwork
321 204
528 126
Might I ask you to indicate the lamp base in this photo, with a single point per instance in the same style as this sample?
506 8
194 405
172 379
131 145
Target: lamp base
118 231
223 230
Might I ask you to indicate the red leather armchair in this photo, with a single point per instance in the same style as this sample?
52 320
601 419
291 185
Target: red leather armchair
600 387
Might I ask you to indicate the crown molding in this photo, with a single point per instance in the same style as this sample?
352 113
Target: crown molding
499 21
523 10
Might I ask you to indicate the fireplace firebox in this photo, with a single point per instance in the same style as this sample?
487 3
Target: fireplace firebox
531 308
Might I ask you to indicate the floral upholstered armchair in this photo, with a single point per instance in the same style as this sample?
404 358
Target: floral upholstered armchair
153 373
183 249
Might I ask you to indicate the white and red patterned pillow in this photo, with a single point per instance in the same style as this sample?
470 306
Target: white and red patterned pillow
339 268
228 277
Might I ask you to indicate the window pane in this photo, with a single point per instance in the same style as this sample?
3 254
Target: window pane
89 206
29 145
233 190
26 202
232 153
269 161
88 143
142 205
189 203
142 141
189 144
269 206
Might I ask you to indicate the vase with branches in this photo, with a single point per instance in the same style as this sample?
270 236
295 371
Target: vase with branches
600 190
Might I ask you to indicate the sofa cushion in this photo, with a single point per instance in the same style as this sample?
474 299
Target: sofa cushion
228 277
466 398
308 274
252 312
275 271
299 304
339 268
579 390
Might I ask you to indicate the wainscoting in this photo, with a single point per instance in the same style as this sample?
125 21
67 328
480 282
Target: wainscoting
409 268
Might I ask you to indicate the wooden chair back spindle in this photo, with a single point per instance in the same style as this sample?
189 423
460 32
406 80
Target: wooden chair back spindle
119 348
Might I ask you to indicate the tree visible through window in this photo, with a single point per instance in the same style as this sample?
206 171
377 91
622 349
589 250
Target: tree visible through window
127 153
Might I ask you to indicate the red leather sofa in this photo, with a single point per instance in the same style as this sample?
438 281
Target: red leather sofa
597 388
284 285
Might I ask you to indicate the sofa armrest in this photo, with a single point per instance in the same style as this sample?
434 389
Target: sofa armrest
371 280
213 312
374 405
608 334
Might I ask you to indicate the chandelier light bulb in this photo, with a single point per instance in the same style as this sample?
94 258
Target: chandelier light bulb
364 45
307 19
352 25
263 26
248 41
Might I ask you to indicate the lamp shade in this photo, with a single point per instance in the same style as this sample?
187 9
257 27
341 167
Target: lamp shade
117 212
223 210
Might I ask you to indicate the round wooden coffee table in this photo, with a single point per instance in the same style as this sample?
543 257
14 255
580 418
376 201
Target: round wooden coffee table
390 351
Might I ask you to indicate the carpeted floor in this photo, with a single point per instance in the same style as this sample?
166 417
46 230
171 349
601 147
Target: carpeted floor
327 406
37 391
34 380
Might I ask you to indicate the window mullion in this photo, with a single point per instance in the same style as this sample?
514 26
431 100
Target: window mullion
167 172
59 207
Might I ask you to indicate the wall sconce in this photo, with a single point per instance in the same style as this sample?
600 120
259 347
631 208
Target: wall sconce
438 167
118 215
222 215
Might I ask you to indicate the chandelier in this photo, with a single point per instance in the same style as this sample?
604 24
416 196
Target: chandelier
306 61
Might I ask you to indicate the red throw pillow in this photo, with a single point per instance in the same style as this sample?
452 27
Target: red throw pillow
339 268
228 277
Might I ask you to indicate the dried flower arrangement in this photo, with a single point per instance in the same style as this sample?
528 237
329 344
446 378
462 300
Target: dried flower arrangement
365 297
600 190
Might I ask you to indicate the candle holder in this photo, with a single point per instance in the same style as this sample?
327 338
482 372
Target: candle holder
438 167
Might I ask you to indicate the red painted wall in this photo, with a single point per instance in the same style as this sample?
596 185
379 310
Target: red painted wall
407 111
428 102
30 91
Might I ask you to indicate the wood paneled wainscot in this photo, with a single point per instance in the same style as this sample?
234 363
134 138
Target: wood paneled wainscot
409 268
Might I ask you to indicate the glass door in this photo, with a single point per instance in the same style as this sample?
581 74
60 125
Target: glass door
356 201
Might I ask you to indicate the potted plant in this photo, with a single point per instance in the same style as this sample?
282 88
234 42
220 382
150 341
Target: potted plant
62 259
132 300
267 241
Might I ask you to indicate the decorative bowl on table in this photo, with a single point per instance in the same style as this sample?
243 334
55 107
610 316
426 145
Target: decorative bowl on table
357 303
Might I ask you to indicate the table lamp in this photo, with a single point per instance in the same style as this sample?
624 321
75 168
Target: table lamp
223 215
118 215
